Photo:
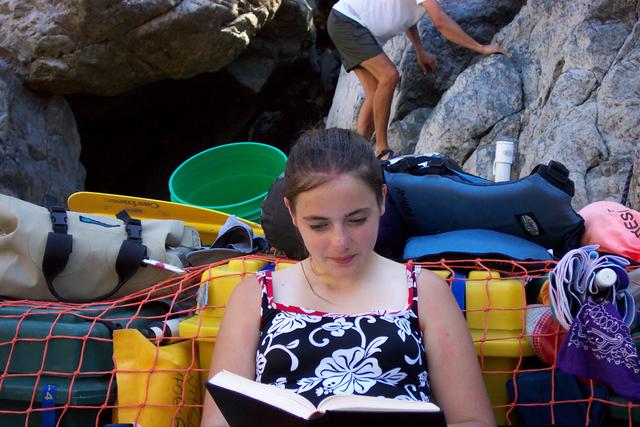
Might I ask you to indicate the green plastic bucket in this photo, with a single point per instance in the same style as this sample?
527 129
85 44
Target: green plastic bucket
232 178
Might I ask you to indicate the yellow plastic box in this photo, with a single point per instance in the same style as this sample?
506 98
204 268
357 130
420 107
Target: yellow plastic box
217 284
494 303
281 265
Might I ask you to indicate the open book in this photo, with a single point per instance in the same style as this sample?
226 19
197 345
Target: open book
244 402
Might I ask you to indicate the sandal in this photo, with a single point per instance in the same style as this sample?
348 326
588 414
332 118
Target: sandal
386 152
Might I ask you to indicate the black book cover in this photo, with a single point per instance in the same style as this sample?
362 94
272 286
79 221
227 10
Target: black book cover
241 410
385 419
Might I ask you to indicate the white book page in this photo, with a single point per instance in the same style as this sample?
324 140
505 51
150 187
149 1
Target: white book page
356 403
281 398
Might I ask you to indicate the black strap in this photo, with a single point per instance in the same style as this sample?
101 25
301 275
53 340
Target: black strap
435 166
131 253
557 174
59 247
424 165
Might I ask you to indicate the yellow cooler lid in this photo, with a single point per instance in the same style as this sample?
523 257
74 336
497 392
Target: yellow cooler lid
499 343
200 327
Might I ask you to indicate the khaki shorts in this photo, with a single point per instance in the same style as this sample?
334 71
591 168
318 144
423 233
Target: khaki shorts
354 42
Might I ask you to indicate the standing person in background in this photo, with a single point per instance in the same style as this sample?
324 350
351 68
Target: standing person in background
359 29
346 320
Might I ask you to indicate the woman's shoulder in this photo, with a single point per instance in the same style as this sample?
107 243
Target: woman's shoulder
435 298
247 291
286 273
431 286
389 264
426 277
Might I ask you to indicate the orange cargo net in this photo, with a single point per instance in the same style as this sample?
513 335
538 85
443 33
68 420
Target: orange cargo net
99 363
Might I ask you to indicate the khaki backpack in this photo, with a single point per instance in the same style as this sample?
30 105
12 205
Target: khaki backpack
76 257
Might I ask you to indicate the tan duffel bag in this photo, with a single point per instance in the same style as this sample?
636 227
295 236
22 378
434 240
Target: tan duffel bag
75 257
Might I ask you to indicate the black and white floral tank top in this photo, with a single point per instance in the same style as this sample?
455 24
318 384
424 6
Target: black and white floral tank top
318 354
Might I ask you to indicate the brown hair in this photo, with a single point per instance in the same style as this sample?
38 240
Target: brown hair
320 155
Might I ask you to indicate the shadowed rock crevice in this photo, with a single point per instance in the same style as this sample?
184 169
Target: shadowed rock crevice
554 78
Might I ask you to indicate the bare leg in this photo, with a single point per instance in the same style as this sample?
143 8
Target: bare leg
365 117
386 74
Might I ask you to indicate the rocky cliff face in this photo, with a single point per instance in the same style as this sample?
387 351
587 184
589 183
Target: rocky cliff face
106 47
569 92
39 144
95 48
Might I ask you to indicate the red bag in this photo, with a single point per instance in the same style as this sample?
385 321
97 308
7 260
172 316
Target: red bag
615 227
543 333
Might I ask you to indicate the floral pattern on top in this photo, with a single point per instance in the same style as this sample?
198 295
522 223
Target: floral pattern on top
318 354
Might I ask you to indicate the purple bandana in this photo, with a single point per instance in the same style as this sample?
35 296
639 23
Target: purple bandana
599 346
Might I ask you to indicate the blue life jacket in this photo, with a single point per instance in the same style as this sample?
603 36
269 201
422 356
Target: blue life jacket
430 195
473 243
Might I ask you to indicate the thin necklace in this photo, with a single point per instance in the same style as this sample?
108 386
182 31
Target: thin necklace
309 283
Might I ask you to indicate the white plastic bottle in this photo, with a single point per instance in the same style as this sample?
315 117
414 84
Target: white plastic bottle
503 160
162 331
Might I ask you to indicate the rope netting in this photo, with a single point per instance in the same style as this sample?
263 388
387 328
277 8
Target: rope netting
144 358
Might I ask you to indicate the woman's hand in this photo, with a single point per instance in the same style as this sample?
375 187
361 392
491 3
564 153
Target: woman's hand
426 61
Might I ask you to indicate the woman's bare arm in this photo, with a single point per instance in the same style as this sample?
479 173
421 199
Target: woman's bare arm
426 61
452 31
236 343
456 379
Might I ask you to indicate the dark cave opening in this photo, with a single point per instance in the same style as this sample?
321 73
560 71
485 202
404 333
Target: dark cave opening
131 143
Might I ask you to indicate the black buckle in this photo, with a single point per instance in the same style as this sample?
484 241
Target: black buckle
134 229
59 220
430 166
558 171
436 166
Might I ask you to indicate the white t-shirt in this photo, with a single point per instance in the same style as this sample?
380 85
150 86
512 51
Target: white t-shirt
384 18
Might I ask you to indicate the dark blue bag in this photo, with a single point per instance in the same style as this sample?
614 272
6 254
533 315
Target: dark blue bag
536 387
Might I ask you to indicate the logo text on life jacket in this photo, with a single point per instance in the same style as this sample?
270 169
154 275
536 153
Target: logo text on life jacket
529 224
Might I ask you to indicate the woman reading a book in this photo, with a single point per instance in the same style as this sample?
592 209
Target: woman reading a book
346 320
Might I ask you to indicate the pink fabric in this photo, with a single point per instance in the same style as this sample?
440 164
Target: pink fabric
614 227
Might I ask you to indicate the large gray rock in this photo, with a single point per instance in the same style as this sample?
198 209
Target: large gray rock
347 100
106 47
39 144
406 132
579 62
455 129
285 39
